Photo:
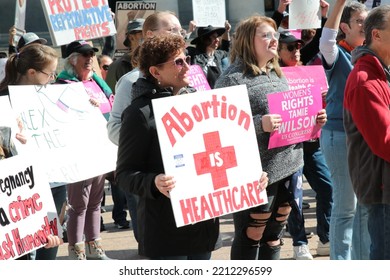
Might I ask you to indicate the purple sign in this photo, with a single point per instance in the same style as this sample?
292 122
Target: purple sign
198 79
298 109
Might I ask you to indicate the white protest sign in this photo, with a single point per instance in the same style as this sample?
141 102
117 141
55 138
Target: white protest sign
3 62
27 211
304 14
20 18
208 12
7 115
208 144
69 134
78 20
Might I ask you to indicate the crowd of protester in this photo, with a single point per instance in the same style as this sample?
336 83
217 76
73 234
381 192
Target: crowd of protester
348 166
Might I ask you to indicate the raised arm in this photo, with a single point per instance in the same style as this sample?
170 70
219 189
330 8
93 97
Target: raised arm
328 45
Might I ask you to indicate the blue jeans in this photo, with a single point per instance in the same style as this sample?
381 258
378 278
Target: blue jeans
379 228
348 227
59 196
296 221
317 174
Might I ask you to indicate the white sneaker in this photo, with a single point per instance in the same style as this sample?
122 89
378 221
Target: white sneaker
323 249
302 253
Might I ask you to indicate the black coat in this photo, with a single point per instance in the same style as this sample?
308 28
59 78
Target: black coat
139 162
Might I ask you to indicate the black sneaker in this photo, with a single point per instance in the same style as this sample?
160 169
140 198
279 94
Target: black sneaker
123 225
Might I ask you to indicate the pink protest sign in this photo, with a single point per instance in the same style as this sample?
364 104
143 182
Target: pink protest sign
298 108
307 76
197 78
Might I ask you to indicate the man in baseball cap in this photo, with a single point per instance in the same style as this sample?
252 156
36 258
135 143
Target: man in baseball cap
133 27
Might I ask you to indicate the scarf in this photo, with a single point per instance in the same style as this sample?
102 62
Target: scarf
346 46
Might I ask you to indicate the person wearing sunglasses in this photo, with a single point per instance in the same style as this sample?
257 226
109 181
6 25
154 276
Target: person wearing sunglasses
35 64
254 62
104 62
165 68
315 170
85 197
156 24
289 50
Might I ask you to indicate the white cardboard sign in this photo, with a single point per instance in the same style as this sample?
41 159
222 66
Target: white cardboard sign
208 144
208 12
67 132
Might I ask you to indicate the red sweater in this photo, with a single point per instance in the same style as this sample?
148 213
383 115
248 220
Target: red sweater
367 125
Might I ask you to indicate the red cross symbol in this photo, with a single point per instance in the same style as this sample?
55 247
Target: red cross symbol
215 160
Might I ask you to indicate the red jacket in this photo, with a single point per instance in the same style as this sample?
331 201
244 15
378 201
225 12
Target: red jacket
367 125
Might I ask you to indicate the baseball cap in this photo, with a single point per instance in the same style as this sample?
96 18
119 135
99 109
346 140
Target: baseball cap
287 37
29 38
133 26
79 47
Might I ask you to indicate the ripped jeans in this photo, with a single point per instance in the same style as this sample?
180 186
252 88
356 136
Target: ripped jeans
258 230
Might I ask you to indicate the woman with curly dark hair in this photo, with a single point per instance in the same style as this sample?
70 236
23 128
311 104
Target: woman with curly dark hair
140 168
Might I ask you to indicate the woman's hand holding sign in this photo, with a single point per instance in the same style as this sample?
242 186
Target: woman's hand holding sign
164 183
271 122
263 182
321 117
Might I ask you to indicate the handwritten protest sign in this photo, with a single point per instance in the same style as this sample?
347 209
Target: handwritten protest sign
27 211
78 20
197 78
209 12
298 108
304 14
210 147
69 134
127 11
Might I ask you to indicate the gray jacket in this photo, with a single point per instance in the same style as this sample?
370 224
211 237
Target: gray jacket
280 162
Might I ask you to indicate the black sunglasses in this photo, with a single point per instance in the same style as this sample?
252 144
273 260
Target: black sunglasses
179 62
293 47
105 67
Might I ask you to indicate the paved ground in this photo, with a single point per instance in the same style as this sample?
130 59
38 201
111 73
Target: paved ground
120 244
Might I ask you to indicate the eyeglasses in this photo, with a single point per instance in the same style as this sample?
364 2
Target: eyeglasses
269 35
173 30
293 47
52 76
359 21
105 67
179 62
88 54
